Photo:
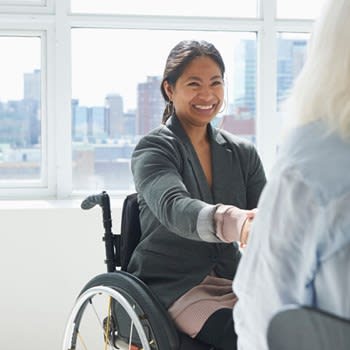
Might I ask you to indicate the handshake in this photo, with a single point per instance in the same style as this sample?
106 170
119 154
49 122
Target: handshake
233 224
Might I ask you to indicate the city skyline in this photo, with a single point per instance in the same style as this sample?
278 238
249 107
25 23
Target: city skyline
106 120
90 86
103 136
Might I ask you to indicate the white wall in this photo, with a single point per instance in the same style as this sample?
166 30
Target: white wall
46 257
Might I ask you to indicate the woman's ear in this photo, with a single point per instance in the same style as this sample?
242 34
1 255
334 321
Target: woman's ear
168 89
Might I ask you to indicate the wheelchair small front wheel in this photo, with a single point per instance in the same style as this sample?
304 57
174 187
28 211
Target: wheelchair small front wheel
115 311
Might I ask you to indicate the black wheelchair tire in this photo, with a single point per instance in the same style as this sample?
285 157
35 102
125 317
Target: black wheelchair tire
128 285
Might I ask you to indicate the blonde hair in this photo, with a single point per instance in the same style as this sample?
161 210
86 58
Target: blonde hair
322 89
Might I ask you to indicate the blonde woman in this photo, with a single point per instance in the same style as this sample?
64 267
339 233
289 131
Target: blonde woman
299 251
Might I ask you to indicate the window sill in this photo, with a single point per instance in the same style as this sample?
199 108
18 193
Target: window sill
49 204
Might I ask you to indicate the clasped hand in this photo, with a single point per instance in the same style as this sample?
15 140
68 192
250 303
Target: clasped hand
233 224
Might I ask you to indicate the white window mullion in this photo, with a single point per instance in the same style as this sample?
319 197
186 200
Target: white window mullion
50 110
63 144
267 124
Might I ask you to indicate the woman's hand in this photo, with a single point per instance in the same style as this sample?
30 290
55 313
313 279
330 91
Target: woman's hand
233 224
247 227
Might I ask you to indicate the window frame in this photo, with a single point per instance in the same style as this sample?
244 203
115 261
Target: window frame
43 187
54 21
29 6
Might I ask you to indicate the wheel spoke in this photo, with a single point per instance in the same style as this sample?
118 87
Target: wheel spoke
98 328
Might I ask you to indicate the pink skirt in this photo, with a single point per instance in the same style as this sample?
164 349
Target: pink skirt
193 308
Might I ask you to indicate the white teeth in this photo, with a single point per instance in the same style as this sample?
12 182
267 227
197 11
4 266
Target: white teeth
204 107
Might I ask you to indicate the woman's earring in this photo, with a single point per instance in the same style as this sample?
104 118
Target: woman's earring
168 111
170 108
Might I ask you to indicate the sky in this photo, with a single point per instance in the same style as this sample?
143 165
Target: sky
17 57
129 58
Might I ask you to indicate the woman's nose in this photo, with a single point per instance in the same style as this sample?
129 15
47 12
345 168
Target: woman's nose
206 92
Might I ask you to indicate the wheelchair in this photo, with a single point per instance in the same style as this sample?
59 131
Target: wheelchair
116 310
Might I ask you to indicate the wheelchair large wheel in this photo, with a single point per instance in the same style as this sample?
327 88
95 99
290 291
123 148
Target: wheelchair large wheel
118 311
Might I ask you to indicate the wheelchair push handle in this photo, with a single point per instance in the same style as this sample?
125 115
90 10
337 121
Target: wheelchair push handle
92 200
109 238
103 201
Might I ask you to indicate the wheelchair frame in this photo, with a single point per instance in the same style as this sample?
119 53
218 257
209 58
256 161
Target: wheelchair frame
134 318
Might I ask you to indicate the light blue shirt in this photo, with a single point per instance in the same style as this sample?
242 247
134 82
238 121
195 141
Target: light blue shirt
299 247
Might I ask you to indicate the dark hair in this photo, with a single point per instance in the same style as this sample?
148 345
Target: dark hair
179 58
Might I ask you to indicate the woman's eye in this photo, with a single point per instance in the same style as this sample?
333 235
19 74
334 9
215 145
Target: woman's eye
217 82
193 83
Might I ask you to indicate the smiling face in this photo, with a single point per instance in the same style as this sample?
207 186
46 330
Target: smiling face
198 93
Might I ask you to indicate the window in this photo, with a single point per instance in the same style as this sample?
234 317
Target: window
79 82
221 8
117 99
21 109
291 55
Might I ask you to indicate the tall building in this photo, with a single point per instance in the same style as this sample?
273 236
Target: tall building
31 86
130 123
150 105
240 127
114 115
291 55
96 124
79 121
245 80
290 59
31 105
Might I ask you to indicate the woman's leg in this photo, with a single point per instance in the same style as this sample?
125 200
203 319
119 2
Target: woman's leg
219 331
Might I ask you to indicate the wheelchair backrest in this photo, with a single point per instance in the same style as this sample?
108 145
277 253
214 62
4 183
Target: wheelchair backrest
130 231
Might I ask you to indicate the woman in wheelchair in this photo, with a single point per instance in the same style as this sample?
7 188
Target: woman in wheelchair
197 189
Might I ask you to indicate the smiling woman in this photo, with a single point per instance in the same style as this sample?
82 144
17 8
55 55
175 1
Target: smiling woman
197 187
198 94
